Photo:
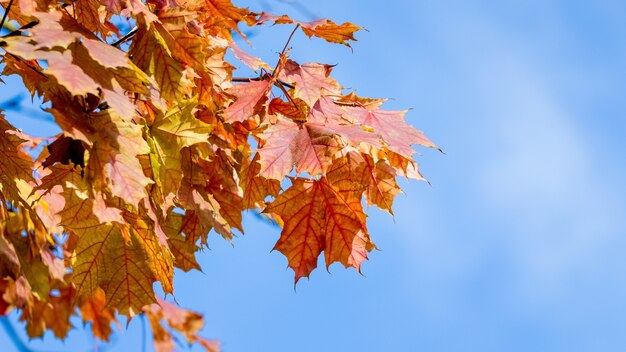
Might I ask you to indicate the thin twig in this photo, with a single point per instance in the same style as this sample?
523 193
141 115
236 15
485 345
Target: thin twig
128 35
6 13
282 53
244 80
27 25
18 31
289 39
343 103
288 96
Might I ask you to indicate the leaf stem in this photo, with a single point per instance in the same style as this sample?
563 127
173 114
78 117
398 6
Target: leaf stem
288 96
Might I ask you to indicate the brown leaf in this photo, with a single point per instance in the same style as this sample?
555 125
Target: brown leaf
65 150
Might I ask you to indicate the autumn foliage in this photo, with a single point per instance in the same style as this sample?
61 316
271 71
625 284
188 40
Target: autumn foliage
162 145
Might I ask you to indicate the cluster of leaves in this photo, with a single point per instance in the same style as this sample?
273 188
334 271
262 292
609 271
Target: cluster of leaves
161 145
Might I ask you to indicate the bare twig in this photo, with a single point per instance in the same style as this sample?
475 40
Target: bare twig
282 53
18 31
244 80
289 39
128 35
6 13
288 95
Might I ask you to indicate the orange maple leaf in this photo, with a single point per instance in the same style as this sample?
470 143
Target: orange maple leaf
319 217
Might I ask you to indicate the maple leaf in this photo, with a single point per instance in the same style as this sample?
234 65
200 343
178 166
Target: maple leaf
89 13
106 259
106 256
406 167
186 47
222 182
250 97
113 159
392 128
53 313
14 164
184 321
318 217
135 7
212 83
182 249
30 72
72 77
377 179
84 65
310 146
311 80
330 31
163 341
223 17
251 61
152 55
256 188
159 259
295 109
157 149
203 210
16 292
171 132
322 28
94 310
65 150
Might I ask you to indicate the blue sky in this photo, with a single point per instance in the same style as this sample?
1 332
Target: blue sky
519 243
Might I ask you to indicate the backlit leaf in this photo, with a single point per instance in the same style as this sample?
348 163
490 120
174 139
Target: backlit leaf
160 147
311 80
93 310
322 28
250 97
320 218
